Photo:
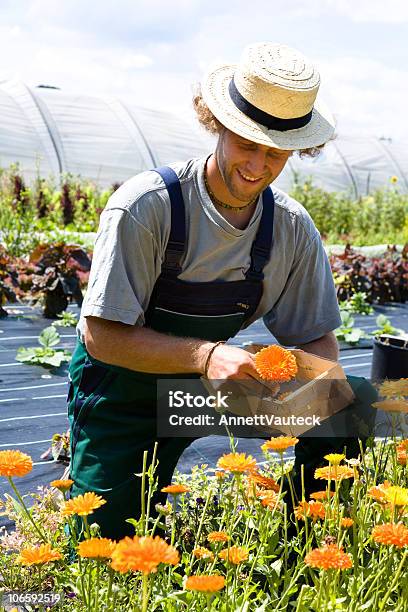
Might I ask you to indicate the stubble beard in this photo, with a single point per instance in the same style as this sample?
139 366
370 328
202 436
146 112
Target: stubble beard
227 177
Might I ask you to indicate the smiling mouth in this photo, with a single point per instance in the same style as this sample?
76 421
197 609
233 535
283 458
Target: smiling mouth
248 179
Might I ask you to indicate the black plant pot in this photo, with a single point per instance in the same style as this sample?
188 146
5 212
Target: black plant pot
390 358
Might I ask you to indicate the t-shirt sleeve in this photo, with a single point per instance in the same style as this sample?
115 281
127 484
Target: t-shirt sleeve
307 308
125 266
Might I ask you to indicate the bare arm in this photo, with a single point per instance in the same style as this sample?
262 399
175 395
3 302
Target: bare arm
145 350
326 347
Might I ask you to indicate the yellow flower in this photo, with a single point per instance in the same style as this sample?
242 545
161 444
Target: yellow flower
392 405
37 555
62 485
237 463
394 388
82 504
96 548
14 463
398 496
279 444
394 179
335 458
334 472
143 554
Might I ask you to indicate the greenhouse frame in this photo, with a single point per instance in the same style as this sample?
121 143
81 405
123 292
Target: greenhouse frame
50 132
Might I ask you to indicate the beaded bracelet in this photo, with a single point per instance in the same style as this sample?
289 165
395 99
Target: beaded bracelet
210 352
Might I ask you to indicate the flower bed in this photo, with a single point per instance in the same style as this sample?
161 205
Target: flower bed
226 541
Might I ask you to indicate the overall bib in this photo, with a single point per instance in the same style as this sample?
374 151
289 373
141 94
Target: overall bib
112 410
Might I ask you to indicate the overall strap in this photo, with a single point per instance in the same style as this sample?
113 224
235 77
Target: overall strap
262 245
176 244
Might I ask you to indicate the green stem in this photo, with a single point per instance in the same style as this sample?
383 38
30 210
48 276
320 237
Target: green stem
383 602
109 591
143 493
20 499
145 590
151 484
98 567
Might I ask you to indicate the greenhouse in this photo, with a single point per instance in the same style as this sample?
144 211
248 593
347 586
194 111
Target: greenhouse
49 132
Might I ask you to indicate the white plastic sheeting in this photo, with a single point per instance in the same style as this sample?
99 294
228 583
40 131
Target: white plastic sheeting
48 131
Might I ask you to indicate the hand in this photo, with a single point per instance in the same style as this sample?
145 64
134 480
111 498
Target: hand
232 371
233 363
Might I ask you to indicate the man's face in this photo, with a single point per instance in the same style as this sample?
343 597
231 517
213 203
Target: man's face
247 168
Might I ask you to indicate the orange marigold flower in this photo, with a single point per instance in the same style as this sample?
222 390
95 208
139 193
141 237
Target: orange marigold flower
264 482
62 485
269 499
82 504
275 363
346 522
96 548
37 555
218 536
279 444
143 554
329 557
392 534
235 554
378 492
220 474
334 472
237 463
394 388
402 445
175 489
205 584
203 553
313 509
321 495
392 405
398 496
15 463
402 457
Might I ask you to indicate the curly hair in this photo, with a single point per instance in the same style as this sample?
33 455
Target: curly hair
211 124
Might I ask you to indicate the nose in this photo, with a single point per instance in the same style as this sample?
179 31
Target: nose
256 163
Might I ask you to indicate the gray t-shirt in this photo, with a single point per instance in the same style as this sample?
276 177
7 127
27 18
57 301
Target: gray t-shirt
299 302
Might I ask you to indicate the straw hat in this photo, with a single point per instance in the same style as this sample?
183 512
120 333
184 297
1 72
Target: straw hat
270 98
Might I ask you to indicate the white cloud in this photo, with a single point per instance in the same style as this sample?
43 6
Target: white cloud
135 61
366 96
392 11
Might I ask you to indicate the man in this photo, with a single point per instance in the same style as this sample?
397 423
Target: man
186 257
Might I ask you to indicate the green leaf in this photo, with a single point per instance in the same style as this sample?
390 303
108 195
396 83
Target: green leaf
26 355
49 337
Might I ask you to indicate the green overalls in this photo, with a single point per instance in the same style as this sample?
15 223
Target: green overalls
112 410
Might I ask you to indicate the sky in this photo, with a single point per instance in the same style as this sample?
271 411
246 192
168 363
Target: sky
152 52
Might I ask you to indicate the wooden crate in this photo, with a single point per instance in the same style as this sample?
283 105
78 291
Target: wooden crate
322 391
